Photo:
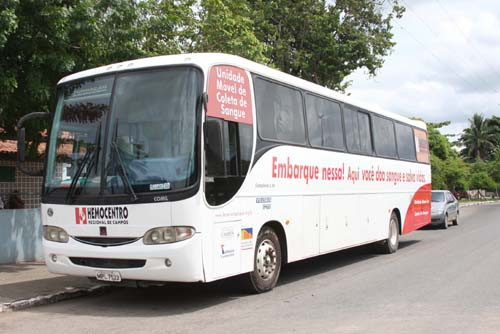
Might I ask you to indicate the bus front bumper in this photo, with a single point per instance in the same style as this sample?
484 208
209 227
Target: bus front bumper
175 262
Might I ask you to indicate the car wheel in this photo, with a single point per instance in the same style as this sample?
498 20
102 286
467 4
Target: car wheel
445 222
455 221
391 244
267 262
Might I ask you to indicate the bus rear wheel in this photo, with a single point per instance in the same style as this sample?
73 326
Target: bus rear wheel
391 244
267 262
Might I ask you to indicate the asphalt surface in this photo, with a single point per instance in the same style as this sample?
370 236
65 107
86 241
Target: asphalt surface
439 281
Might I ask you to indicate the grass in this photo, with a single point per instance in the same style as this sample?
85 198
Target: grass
466 200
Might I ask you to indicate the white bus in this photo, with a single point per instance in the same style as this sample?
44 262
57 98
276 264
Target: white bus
197 167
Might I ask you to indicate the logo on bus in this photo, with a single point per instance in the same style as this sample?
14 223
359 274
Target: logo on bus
81 215
110 215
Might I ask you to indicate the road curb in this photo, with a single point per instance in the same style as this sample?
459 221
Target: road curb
478 203
69 293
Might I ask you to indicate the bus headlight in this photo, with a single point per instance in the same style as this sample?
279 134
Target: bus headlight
167 235
54 233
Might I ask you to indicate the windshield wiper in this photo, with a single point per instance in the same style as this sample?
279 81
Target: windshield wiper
123 173
89 156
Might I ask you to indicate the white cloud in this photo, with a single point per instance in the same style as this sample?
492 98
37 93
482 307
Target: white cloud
445 65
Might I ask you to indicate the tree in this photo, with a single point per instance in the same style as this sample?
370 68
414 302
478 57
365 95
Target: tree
227 26
478 139
448 170
323 41
456 173
168 27
437 173
481 180
8 24
494 129
33 54
42 41
438 143
493 167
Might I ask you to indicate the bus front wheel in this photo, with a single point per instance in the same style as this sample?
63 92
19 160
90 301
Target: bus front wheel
391 244
267 262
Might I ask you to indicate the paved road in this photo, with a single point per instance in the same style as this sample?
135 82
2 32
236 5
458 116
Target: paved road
438 282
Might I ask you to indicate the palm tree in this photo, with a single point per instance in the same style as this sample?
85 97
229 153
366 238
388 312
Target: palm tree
478 139
494 126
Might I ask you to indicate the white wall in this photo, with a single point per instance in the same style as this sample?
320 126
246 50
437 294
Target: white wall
20 236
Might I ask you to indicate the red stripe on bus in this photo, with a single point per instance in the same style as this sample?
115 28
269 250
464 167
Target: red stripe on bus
419 211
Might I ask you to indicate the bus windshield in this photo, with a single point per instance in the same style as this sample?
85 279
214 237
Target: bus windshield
126 133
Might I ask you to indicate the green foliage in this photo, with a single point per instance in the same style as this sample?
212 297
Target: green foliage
480 138
103 32
32 59
456 173
8 19
318 40
8 24
437 173
494 129
481 180
493 167
167 27
438 143
227 26
448 170
42 41
323 41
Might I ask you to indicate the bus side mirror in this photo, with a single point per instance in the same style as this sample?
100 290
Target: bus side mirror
214 147
21 141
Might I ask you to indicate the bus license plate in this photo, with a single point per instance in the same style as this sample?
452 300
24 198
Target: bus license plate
108 276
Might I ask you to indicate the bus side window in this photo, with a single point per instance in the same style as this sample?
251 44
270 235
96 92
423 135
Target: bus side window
351 129
421 145
214 149
357 131
228 150
324 123
279 112
384 137
406 146
365 135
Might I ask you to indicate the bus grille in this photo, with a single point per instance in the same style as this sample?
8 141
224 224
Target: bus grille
107 263
105 242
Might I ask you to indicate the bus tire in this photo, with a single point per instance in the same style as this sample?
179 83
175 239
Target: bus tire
391 244
267 262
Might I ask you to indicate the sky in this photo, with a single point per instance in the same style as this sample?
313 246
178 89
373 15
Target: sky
445 65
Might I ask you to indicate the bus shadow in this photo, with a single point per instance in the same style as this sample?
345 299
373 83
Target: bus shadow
406 243
431 227
179 298
304 269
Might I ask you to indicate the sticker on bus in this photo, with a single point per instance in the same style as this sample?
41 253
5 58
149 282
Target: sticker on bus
229 94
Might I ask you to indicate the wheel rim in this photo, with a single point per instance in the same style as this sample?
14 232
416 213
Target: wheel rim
393 233
266 259
446 220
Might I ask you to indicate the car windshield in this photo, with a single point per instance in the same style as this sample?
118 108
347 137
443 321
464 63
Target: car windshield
133 132
437 197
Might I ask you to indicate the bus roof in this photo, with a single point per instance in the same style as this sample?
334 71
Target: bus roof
205 60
